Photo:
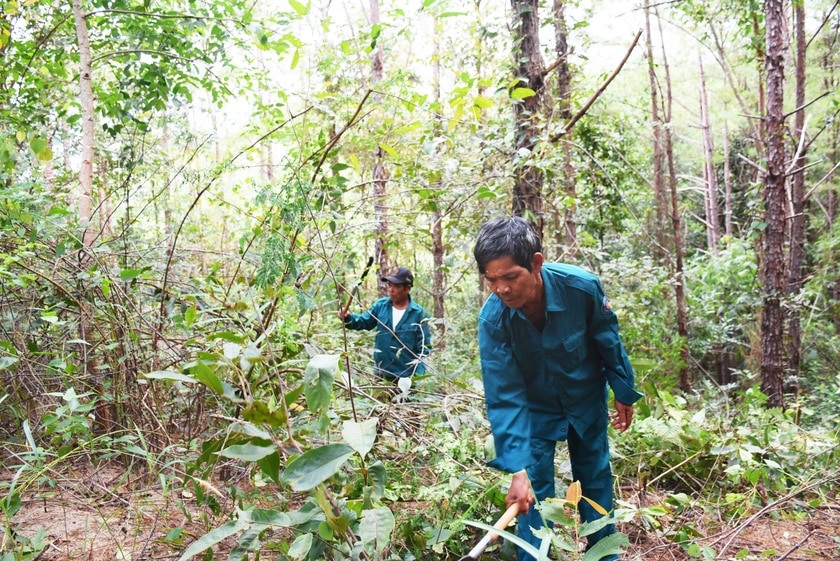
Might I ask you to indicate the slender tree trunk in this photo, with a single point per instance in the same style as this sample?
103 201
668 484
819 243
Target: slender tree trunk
85 201
797 208
567 234
709 176
103 411
772 318
438 273
380 171
659 220
676 224
727 182
527 190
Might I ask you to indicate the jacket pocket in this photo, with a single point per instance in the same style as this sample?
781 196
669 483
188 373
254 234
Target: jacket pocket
572 351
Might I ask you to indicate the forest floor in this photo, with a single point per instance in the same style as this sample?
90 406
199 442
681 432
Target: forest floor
88 516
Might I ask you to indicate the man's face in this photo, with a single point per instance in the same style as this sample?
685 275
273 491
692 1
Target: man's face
398 293
515 285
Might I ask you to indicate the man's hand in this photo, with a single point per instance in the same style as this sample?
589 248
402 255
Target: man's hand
520 492
622 417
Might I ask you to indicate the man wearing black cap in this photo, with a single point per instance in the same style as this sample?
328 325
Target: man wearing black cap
403 338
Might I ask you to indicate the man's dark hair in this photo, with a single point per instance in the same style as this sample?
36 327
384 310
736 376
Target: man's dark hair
512 237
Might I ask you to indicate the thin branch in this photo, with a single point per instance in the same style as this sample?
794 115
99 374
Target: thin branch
598 93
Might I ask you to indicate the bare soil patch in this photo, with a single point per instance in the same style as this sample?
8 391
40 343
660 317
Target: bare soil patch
95 514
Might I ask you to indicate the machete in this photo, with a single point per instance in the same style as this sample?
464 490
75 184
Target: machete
355 288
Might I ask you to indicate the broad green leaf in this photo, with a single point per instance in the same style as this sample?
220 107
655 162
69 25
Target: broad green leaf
259 412
483 102
301 546
407 128
270 465
319 378
299 8
313 467
360 436
389 149
522 93
375 529
378 476
174 376
37 145
128 275
190 315
206 376
215 536
247 452
613 544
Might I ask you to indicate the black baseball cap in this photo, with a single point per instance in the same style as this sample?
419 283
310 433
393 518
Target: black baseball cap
402 276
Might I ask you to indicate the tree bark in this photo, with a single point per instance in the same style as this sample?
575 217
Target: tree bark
659 220
567 233
380 170
774 197
527 189
709 176
676 225
797 209
85 200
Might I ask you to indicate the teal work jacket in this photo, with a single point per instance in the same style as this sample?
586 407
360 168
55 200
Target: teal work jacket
537 383
397 353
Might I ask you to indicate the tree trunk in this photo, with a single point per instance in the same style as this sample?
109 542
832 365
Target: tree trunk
566 235
438 274
676 225
772 319
709 176
658 222
527 190
797 209
727 182
380 171
85 201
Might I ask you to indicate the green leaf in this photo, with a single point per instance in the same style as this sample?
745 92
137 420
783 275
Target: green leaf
247 452
375 529
299 8
259 412
206 376
613 544
483 102
389 149
360 436
215 536
318 379
270 465
313 467
301 546
522 93
128 275
174 376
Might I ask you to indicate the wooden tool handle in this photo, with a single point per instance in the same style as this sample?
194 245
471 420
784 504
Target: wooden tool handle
501 524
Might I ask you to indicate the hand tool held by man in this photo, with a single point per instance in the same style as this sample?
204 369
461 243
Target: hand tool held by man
355 288
501 524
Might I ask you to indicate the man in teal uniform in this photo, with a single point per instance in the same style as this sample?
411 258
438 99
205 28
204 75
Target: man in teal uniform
403 338
549 346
